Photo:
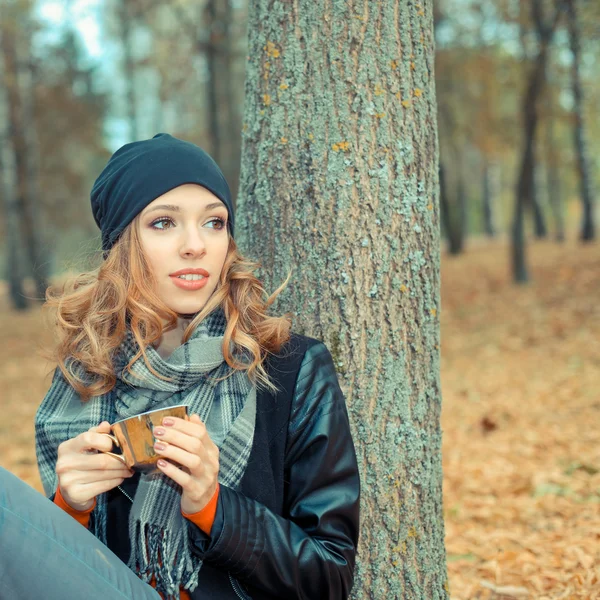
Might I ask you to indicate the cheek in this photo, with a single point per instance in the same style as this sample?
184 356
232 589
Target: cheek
155 259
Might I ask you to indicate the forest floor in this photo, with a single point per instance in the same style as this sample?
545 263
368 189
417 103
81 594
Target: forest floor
520 375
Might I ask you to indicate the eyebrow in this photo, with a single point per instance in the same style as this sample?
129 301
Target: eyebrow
175 208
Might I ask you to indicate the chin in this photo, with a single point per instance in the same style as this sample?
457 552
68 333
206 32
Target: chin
187 311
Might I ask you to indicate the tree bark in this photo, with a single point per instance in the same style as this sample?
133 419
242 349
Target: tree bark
339 176
588 229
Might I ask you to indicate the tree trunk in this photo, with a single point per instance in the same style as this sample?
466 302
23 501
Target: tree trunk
553 182
223 119
212 113
446 225
339 175
588 229
452 221
22 142
525 182
10 206
489 199
462 207
539 220
36 239
233 125
124 23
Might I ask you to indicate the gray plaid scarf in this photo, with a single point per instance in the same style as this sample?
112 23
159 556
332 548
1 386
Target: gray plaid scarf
157 530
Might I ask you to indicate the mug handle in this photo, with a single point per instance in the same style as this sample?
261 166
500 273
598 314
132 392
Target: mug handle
115 443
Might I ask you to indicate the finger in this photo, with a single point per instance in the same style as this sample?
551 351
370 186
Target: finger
67 471
93 476
174 473
92 440
209 445
93 462
87 477
97 462
189 443
186 459
194 427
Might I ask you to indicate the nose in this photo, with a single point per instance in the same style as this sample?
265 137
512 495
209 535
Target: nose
193 243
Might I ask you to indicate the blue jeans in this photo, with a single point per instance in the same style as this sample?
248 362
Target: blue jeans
45 553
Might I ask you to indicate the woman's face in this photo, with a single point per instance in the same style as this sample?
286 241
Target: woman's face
185 229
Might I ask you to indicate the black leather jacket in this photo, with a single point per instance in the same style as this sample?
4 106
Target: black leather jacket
291 530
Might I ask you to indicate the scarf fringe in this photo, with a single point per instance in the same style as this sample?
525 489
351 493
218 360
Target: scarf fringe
163 558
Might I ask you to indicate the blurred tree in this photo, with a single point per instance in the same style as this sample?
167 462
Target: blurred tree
340 177
490 196
453 221
217 41
182 72
14 271
485 49
474 74
453 209
534 199
52 122
16 30
69 119
524 190
588 230
552 161
124 16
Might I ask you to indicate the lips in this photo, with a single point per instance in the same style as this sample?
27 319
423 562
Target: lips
190 285
190 272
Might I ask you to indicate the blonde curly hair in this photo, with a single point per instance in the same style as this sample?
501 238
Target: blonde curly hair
91 313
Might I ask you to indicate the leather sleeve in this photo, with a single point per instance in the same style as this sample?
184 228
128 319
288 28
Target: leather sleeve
309 551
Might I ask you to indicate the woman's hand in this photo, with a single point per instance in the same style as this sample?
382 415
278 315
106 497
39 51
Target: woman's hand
83 472
188 444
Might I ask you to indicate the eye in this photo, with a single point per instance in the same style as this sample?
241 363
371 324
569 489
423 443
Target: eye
221 222
161 220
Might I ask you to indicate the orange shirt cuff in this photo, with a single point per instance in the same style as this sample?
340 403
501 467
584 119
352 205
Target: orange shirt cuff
205 518
81 516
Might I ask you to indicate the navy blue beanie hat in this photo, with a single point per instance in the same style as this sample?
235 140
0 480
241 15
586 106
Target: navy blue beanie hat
139 172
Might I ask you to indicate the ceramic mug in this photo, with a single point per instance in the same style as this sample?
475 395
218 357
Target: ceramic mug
134 437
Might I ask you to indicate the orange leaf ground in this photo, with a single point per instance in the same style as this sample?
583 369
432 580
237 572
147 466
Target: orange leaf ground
520 418
521 415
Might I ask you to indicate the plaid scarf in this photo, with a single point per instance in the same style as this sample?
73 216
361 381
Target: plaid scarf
157 530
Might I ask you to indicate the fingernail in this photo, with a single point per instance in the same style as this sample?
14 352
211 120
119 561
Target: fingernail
159 431
160 446
168 422
162 463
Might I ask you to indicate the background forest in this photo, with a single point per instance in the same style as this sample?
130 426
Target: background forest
517 87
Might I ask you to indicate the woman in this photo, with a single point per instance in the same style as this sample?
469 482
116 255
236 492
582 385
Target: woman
259 494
